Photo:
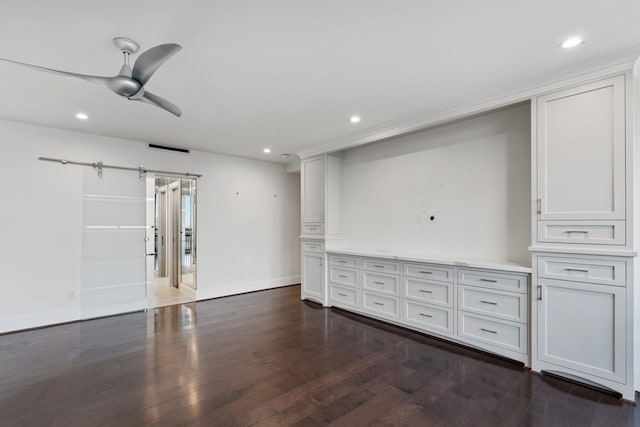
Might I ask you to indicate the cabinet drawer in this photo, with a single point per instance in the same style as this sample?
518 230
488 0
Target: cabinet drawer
427 271
428 317
582 232
494 280
312 228
380 305
385 266
344 261
431 292
343 276
605 272
342 296
503 305
383 283
310 246
508 335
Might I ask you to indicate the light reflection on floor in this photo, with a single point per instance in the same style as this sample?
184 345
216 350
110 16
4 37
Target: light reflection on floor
167 295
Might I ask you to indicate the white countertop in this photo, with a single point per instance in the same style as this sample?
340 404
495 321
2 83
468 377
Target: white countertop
434 259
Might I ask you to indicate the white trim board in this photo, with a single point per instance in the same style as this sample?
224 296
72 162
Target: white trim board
230 289
38 320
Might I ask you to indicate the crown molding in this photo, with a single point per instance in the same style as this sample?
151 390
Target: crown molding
617 62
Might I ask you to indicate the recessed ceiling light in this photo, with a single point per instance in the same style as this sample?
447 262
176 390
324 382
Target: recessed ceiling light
285 156
572 42
267 150
355 119
82 116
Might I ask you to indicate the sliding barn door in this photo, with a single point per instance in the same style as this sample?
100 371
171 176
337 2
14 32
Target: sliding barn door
113 243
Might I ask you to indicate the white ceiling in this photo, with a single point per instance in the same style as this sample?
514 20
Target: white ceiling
289 74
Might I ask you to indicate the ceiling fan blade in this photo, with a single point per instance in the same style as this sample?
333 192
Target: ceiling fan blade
158 101
102 81
149 61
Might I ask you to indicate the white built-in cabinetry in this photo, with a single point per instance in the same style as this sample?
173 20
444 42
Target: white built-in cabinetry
582 260
312 195
574 316
381 287
321 214
321 205
486 309
581 167
312 272
582 322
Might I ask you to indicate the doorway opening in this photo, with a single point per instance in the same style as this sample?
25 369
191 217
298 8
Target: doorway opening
172 260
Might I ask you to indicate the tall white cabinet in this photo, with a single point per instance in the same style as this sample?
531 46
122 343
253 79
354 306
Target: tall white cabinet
581 173
321 214
583 263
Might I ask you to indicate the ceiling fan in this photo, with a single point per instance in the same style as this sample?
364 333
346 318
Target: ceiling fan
130 81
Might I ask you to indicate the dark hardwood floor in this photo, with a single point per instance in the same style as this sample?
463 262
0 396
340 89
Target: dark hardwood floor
268 359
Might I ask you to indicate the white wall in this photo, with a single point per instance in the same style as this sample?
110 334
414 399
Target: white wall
246 241
473 176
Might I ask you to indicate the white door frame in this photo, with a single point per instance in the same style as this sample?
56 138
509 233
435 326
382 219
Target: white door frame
173 233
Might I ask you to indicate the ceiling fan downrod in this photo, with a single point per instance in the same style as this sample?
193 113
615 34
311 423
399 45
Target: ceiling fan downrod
128 47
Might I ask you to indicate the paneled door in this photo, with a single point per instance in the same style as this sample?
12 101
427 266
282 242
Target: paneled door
312 190
313 275
581 152
113 243
581 326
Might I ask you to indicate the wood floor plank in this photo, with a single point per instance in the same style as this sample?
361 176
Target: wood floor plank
269 359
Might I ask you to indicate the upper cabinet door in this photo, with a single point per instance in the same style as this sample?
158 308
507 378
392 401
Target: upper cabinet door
581 152
312 190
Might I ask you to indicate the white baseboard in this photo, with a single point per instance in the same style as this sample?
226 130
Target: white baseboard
636 381
243 287
125 307
39 319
